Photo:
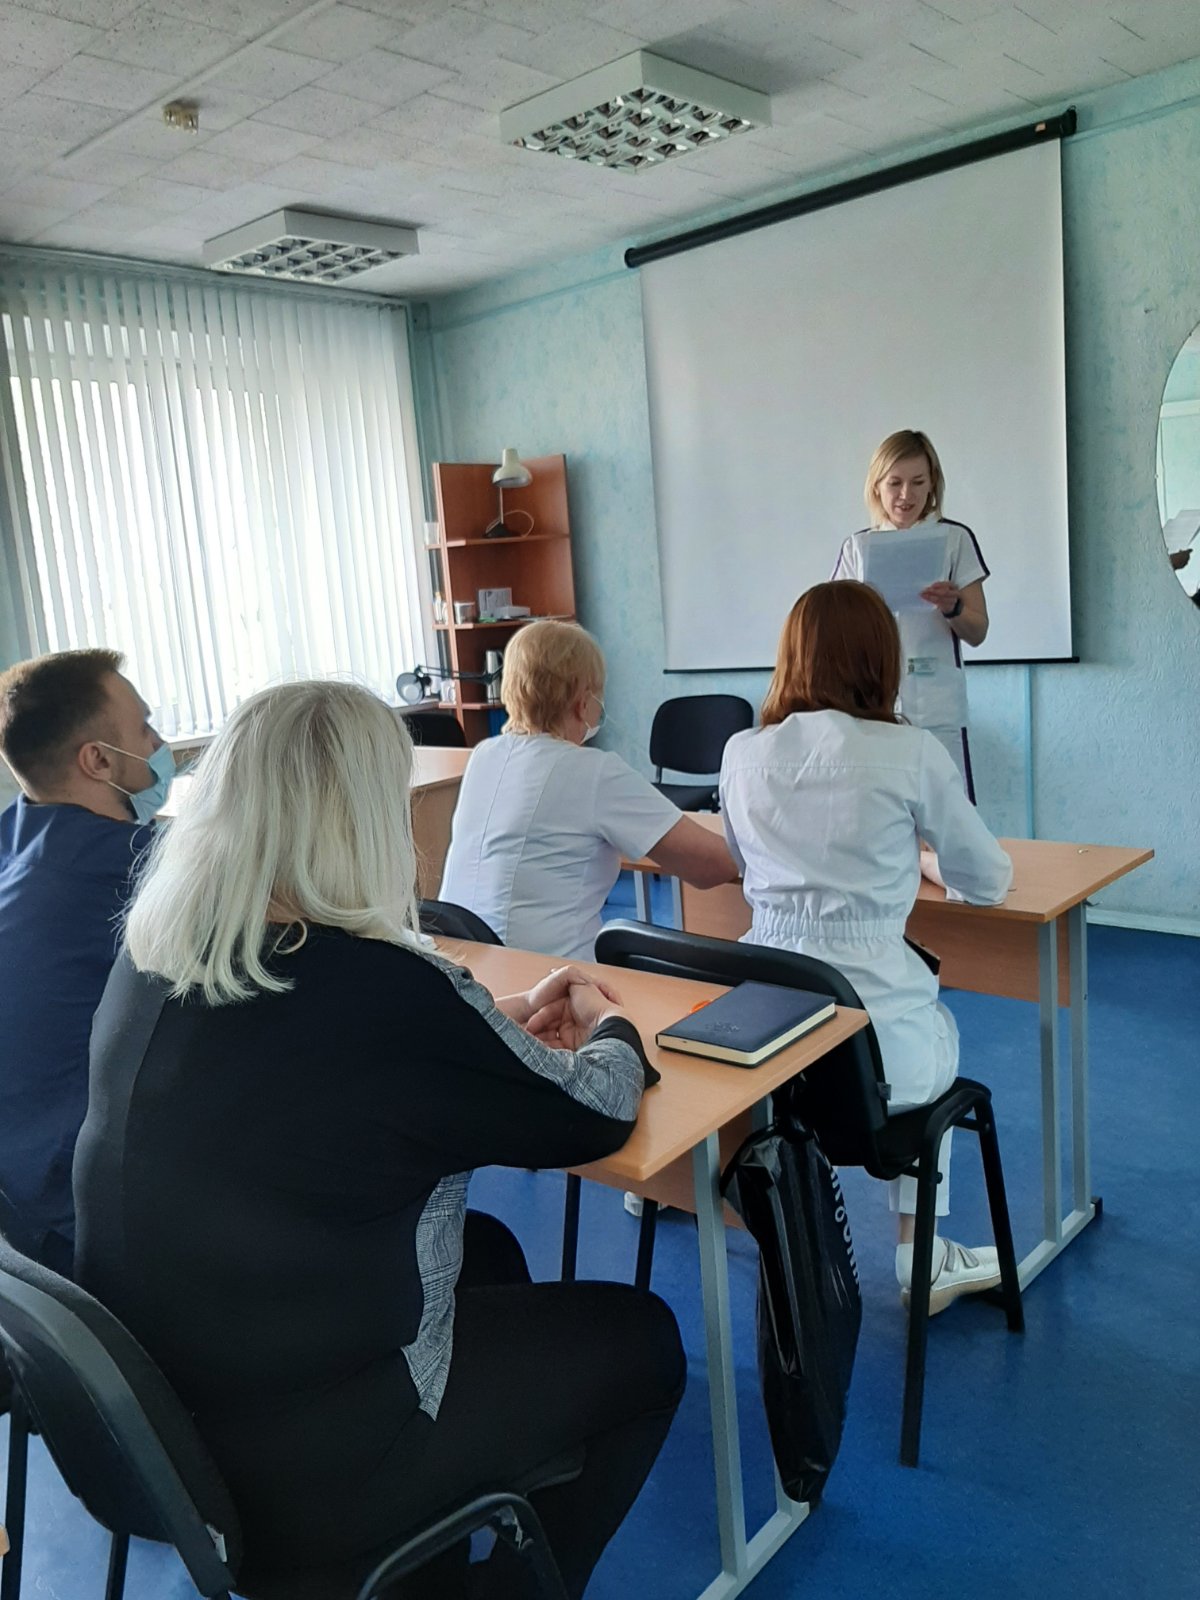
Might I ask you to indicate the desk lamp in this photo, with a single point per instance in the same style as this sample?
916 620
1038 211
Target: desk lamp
512 473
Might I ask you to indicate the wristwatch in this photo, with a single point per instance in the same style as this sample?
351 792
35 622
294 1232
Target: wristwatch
958 605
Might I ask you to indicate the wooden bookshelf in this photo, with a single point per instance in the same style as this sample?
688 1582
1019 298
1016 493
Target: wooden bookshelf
536 566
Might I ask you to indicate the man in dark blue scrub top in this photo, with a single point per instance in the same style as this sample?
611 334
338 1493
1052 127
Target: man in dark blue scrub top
92 771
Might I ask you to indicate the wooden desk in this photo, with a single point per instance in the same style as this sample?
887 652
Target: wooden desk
437 775
1033 947
683 1118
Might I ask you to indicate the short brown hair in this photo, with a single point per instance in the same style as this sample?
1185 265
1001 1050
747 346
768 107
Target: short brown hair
547 666
839 651
46 705
907 442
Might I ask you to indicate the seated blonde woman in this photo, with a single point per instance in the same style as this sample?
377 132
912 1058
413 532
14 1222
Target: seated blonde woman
287 1097
541 823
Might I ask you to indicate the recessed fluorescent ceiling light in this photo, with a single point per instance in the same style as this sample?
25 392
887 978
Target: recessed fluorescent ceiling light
634 113
308 247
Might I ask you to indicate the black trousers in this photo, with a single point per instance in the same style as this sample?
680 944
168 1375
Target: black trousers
537 1369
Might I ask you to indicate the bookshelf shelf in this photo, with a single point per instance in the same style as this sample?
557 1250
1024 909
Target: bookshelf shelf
536 566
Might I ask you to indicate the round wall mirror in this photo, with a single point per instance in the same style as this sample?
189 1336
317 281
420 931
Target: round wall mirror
1179 465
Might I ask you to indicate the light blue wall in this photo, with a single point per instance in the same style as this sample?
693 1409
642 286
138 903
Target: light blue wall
1103 751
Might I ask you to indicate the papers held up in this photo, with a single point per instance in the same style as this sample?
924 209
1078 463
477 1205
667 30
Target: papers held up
900 562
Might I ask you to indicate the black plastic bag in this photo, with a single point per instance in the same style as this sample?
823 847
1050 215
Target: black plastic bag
809 1304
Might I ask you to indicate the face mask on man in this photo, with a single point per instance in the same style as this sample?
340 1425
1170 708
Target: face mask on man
148 802
588 732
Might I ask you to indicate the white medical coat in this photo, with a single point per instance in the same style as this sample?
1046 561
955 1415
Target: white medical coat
933 691
538 834
823 812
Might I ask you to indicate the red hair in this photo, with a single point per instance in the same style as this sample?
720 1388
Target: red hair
839 651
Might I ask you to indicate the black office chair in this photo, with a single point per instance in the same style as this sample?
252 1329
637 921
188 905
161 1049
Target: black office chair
513 1521
689 734
442 919
433 729
127 1448
842 1098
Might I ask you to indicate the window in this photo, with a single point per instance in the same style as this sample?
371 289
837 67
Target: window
210 477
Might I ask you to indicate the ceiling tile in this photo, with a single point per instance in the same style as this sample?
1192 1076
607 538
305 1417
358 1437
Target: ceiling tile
536 16
455 37
15 81
247 18
433 118
267 73
310 176
160 194
318 111
106 83
342 32
268 142
64 195
33 39
208 169
154 38
64 122
96 13
669 16
25 224
385 77
104 164
493 85
573 47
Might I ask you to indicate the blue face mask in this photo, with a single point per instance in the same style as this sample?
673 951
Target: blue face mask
147 803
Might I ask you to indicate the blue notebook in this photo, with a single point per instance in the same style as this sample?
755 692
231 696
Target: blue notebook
750 1023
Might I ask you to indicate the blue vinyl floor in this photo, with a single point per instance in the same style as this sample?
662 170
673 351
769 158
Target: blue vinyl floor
1063 1462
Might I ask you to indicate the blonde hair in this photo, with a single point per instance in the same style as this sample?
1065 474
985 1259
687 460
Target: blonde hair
547 666
298 813
908 442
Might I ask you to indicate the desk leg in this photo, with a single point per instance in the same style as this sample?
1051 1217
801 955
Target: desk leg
1058 1231
641 894
741 1559
1081 1162
1051 1118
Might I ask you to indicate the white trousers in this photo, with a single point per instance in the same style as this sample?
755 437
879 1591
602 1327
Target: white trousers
902 1192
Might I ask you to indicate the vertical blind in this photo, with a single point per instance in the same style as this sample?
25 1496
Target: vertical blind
214 479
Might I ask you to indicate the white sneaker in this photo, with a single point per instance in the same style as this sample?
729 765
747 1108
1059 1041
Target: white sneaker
962 1271
633 1204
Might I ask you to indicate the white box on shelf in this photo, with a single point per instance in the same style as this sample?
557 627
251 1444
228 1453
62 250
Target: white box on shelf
492 600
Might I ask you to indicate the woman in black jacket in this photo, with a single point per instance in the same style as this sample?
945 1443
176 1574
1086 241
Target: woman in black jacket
288 1094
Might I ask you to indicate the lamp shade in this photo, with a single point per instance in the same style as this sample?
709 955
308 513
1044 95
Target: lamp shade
512 473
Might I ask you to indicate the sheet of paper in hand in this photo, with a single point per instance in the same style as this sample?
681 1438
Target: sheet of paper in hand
900 562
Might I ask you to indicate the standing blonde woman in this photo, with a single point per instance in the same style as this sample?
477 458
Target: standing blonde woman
287 1097
905 487
542 823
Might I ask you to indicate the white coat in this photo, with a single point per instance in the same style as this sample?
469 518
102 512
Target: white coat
824 813
538 834
933 691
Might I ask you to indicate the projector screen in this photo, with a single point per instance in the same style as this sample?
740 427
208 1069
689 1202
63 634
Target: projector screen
778 359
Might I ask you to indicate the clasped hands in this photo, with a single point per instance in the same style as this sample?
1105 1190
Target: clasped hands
564 1008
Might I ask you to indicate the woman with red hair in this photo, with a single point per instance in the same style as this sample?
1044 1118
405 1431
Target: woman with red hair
825 808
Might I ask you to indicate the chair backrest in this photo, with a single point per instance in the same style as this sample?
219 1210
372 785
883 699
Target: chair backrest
841 1097
434 729
118 1434
443 919
689 733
